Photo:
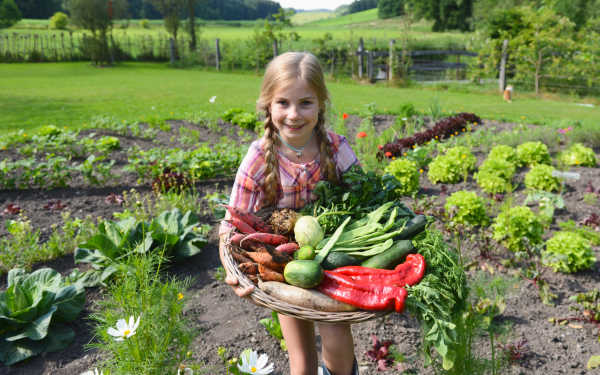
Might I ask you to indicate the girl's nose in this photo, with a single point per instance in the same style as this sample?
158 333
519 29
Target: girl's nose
293 114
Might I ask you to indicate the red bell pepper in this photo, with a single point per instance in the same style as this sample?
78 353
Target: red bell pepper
410 272
364 295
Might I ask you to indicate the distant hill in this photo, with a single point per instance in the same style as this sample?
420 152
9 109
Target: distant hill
348 19
312 10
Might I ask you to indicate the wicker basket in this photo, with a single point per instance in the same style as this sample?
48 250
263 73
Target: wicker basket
263 299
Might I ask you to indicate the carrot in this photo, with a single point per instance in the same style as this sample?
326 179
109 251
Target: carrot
239 256
253 278
237 238
248 268
253 246
307 298
241 226
266 260
271 239
270 275
288 248
278 256
248 218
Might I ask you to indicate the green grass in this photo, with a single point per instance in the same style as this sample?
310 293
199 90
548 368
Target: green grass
69 94
305 17
348 19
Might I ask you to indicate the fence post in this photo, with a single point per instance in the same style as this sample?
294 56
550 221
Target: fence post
502 80
275 48
457 62
369 65
172 51
361 57
391 63
217 54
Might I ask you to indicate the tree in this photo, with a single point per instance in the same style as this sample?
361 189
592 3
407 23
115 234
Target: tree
171 11
390 8
97 16
38 9
446 14
9 13
362 5
577 11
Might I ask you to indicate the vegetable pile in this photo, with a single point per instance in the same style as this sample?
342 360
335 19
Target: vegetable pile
364 250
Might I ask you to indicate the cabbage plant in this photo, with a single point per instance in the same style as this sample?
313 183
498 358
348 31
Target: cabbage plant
171 234
30 309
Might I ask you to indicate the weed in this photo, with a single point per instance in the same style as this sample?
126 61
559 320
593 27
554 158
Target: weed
274 327
220 274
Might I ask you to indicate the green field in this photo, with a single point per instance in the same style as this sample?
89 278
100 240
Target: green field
348 19
69 94
306 17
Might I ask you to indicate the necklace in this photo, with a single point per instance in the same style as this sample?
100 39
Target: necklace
298 150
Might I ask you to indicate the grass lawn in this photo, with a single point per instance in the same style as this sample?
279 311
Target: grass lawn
69 94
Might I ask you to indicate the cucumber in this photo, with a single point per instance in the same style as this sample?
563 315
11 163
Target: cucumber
390 258
413 227
305 253
303 273
335 260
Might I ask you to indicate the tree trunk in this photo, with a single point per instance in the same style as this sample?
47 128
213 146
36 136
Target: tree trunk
192 9
538 67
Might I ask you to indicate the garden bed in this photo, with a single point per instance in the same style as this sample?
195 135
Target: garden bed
229 322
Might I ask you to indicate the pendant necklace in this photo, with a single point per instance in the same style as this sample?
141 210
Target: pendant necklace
298 150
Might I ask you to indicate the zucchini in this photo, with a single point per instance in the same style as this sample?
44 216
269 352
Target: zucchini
390 258
335 260
413 227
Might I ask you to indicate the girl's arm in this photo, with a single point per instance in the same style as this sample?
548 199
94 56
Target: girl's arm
232 280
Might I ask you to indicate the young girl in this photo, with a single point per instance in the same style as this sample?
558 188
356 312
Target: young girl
282 169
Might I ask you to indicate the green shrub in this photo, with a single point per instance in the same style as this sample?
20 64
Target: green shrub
144 23
510 227
471 208
406 171
49 131
495 175
569 252
107 144
246 120
578 154
531 153
199 118
452 166
230 114
59 21
9 13
540 178
503 152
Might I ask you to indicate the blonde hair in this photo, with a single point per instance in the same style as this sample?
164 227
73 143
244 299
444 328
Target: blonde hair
281 72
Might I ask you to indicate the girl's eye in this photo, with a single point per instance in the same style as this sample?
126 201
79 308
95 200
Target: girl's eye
282 102
306 102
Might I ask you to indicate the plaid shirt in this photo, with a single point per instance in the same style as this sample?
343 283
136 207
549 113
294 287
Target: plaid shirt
297 180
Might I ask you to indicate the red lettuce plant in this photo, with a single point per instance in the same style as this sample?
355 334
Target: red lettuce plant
11 209
55 207
380 354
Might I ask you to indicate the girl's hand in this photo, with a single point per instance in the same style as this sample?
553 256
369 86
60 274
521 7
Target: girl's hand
241 292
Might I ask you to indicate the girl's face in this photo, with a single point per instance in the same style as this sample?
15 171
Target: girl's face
295 112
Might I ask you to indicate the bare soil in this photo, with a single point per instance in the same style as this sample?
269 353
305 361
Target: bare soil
230 322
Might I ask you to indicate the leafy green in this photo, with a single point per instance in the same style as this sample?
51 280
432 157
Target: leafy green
29 311
580 155
470 208
582 231
274 327
452 166
440 297
579 254
518 222
531 153
171 234
495 175
503 152
406 171
540 178
361 193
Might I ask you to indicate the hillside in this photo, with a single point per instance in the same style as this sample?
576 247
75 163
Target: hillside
348 19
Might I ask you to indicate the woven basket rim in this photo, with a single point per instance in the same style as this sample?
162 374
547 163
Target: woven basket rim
263 299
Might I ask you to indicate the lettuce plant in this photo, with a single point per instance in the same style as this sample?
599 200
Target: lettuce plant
406 172
170 234
503 152
578 154
531 153
30 309
471 208
452 166
518 222
495 175
569 252
540 178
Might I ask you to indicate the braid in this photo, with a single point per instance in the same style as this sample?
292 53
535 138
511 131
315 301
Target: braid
271 184
326 151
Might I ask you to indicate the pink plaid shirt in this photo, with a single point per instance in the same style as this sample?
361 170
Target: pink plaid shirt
297 180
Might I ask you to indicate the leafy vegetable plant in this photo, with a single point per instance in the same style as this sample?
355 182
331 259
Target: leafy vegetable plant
531 153
547 203
170 234
540 178
452 166
503 152
495 175
578 252
274 327
582 230
467 208
579 155
30 309
408 175
518 222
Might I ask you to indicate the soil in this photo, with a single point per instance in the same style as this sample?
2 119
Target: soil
226 321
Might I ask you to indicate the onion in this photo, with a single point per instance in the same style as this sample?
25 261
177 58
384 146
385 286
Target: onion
308 231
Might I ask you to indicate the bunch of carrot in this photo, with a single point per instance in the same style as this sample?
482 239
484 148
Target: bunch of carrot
260 253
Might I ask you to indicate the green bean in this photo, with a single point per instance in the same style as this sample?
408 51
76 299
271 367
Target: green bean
376 250
375 239
367 218
338 232
353 234
380 212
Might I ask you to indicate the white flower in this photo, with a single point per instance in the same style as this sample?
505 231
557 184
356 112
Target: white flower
404 118
95 372
255 364
212 100
152 107
124 330
184 370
